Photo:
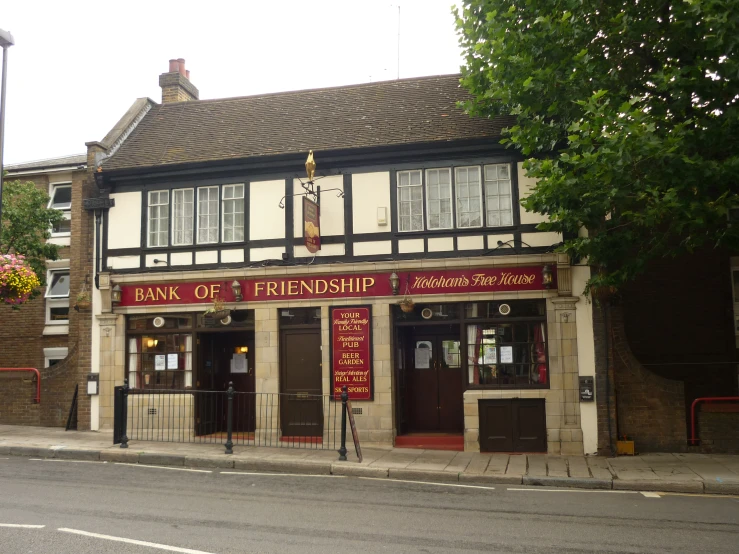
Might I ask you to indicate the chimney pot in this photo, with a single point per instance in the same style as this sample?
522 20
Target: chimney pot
182 66
173 66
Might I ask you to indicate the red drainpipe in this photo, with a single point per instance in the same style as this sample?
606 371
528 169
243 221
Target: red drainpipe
38 379
693 438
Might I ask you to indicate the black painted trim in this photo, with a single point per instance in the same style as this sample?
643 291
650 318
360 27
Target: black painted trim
348 216
289 219
393 208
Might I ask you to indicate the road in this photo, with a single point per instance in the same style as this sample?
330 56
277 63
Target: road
95 506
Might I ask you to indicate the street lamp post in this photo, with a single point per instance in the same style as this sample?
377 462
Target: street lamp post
6 41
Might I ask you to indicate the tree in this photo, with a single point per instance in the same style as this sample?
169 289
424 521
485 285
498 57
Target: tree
627 113
26 226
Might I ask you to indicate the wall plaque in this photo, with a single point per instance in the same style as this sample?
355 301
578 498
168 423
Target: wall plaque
351 351
587 389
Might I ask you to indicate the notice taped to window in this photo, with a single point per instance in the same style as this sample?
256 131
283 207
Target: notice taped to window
351 351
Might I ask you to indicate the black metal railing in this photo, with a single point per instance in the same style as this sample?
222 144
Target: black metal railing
230 418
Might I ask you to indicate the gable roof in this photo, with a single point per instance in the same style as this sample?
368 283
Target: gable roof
72 162
407 111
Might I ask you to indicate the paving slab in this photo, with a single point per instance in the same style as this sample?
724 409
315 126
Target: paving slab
556 466
599 467
537 465
578 467
498 464
479 463
459 463
516 465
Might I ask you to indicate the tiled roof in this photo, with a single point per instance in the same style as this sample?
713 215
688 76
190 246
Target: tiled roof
408 111
64 161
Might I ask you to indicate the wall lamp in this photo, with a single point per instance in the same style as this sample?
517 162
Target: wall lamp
546 276
236 287
115 295
395 283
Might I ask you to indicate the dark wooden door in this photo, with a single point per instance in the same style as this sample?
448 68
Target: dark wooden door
516 425
301 406
435 383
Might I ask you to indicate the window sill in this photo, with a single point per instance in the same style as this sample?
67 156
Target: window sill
61 240
51 329
508 387
455 232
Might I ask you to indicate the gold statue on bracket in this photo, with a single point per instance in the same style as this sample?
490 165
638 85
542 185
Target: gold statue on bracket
310 166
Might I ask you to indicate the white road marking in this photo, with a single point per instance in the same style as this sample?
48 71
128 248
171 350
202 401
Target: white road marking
573 490
277 474
68 461
133 541
388 480
22 526
652 494
165 467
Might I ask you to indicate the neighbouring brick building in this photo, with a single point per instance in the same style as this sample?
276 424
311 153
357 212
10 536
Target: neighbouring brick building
417 201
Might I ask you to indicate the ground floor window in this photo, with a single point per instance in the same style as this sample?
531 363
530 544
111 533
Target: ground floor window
160 352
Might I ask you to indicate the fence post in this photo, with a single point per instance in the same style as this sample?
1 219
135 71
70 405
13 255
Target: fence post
124 410
229 422
344 398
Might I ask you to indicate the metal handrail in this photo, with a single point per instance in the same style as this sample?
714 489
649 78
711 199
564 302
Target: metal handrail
693 439
37 400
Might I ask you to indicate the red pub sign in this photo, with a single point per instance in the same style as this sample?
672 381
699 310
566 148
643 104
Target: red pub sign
311 225
351 351
444 281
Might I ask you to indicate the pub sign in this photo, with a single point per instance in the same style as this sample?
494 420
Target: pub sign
351 351
311 225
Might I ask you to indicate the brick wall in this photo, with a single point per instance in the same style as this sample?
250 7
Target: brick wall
718 429
17 392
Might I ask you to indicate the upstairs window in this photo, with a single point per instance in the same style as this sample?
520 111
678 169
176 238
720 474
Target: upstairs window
207 215
57 296
182 216
466 198
61 199
159 218
233 213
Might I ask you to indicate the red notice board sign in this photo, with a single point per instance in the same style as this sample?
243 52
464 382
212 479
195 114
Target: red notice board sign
351 351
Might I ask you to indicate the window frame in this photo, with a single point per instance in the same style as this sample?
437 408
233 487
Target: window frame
56 300
66 212
453 169
174 218
426 193
198 214
149 218
400 200
223 212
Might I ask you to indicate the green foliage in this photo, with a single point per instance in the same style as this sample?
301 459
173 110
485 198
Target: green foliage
628 114
26 226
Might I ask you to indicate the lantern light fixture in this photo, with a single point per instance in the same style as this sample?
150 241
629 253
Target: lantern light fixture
546 276
115 295
395 283
236 287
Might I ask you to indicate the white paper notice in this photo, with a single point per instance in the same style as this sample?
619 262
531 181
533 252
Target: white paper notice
489 355
423 358
160 362
506 354
238 364
172 361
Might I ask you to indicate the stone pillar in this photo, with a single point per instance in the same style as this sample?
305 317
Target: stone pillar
112 362
266 374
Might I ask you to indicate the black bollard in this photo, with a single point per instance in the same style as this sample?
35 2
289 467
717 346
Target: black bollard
229 422
124 417
344 398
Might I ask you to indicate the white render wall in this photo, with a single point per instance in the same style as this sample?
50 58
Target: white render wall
124 227
585 355
370 191
265 214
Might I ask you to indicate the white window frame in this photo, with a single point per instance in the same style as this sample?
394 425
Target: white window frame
56 301
484 182
56 353
182 219
67 211
209 215
233 227
439 171
400 200
158 219
458 214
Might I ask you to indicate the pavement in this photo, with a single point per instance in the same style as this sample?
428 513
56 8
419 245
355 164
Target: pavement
678 473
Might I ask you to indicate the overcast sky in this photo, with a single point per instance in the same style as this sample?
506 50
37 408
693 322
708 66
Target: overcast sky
78 65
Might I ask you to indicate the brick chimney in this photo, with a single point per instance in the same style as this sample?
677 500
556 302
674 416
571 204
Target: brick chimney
176 85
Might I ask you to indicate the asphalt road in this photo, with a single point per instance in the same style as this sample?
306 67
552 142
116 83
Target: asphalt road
92 507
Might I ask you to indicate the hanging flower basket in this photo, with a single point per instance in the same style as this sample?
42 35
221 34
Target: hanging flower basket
17 279
218 310
220 315
407 305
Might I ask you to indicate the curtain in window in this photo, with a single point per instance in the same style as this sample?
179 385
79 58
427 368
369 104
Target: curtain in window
134 361
540 351
474 333
188 361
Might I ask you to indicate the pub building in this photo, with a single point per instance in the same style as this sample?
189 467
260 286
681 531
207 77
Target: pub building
396 261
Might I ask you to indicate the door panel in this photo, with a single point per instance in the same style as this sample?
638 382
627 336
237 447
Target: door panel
301 414
423 385
451 390
496 426
530 432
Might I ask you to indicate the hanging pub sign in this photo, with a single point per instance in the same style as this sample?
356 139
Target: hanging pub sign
351 351
351 285
311 225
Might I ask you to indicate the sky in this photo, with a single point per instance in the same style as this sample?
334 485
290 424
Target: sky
77 66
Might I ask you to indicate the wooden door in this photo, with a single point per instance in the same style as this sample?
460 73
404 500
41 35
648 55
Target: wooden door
301 406
516 425
435 386
530 425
